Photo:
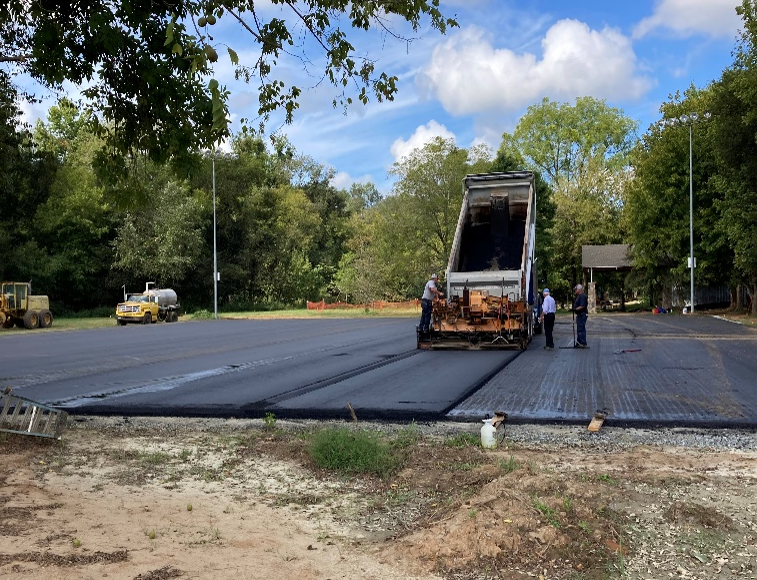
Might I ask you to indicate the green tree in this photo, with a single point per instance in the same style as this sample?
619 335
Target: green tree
734 125
75 225
429 185
399 240
161 240
582 152
148 66
658 202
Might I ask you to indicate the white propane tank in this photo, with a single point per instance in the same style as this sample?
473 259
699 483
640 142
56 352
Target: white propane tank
488 431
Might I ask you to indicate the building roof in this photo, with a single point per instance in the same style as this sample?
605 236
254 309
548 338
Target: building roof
609 257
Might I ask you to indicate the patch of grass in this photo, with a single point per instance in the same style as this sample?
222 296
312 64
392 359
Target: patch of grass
605 478
547 512
184 455
154 458
702 544
508 465
354 452
60 323
467 466
202 315
407 437
462 440
207 474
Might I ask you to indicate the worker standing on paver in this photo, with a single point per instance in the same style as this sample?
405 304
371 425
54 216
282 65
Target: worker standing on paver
581 310
427 302
548 310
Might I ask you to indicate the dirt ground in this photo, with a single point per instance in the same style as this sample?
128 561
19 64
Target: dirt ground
155 499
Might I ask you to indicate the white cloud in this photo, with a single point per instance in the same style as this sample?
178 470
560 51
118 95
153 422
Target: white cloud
690 17
343 180
468 75
422 135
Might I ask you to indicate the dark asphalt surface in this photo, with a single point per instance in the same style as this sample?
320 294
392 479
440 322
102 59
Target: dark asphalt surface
243 368
640 369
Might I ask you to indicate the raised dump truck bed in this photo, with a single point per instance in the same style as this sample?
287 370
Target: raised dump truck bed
491 265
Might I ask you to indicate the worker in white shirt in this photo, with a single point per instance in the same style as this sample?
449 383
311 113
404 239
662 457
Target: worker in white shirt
547 317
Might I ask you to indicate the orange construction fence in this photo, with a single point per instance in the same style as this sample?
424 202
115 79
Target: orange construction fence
375 305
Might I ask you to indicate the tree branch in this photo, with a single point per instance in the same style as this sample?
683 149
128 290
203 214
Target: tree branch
19 58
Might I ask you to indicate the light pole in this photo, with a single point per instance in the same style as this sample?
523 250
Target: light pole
690 120
691 213
215 258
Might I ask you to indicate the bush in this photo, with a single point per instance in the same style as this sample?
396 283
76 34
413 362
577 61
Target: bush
203 315
354 452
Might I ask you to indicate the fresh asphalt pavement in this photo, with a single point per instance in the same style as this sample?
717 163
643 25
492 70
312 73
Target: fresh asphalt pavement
641 369
244 368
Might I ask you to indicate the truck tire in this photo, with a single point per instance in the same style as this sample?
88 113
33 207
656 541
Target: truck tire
8 323
45 319
31 319
147 318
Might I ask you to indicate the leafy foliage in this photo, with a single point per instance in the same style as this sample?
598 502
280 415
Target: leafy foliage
161 240
581 151
147 67
734 110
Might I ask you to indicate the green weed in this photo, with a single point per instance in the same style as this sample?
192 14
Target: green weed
462 440
547 512
407 437
509 465
467 466
153 458
270 421
354 452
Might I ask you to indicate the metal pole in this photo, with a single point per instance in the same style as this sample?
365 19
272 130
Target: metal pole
691 214
215 259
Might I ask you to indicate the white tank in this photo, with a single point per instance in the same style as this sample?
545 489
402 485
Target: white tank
165 296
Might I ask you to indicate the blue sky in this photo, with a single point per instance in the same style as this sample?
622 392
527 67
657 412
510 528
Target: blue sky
475 82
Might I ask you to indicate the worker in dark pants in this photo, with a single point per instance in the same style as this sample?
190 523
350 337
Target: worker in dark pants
581 310
427 302
548 310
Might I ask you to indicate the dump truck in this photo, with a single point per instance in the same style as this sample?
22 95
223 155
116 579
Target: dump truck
491 272
153 305
18 306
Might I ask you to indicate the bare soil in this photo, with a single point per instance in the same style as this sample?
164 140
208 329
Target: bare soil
154 499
